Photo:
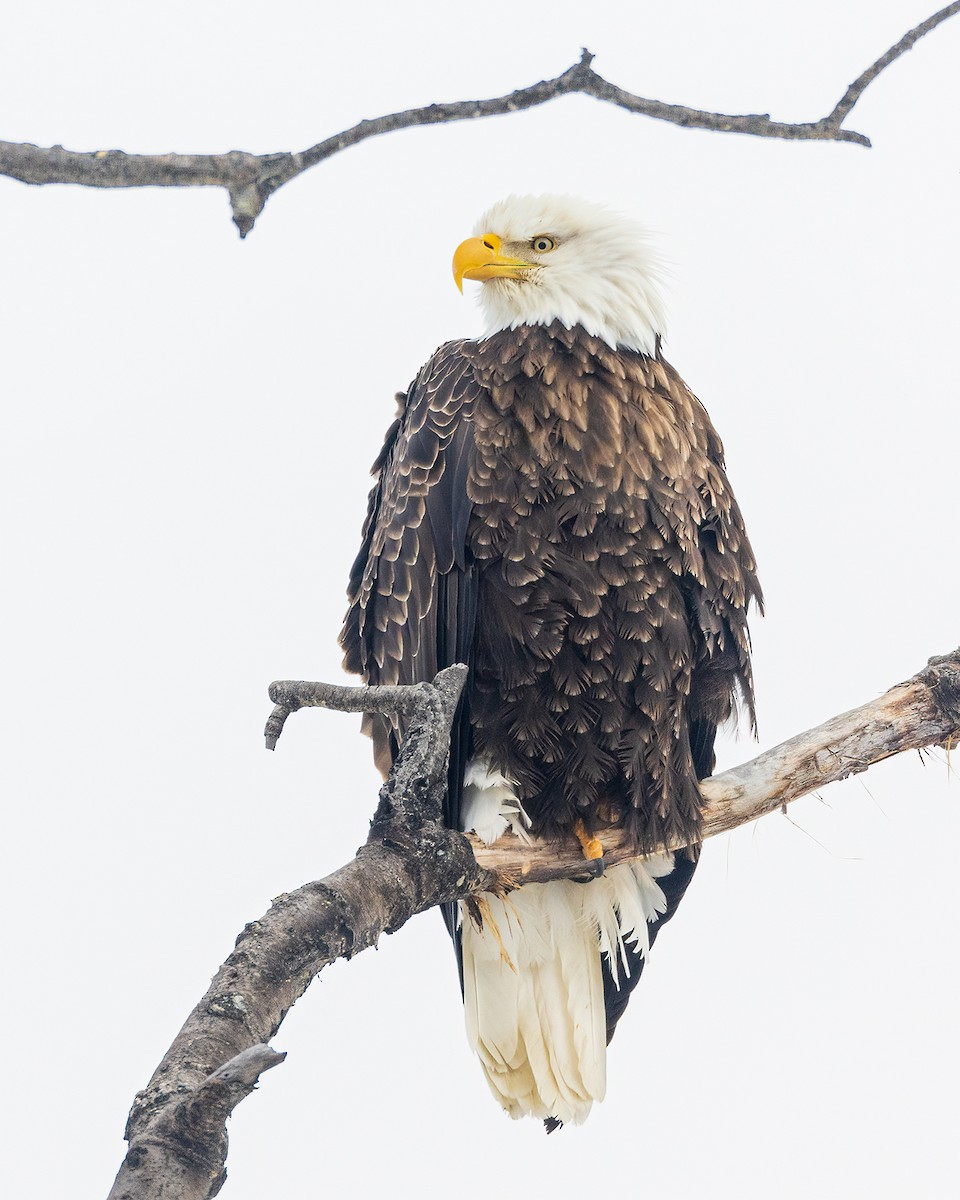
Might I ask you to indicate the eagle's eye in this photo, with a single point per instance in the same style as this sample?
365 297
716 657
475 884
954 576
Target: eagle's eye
543 244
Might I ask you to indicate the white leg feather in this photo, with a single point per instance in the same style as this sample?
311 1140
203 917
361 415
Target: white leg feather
489 805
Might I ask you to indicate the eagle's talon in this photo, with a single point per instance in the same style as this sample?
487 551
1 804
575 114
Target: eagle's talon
594 868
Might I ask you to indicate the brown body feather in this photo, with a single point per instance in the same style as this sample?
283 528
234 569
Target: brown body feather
556 513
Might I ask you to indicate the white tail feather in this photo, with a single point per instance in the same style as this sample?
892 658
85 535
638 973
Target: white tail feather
533 985
532 976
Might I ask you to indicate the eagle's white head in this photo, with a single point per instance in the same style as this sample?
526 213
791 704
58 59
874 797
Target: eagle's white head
558 258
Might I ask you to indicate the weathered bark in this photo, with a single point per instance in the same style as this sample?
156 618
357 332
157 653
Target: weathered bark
410 862
251 179
176 1129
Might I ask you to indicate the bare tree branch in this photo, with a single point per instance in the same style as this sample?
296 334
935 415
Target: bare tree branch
907 42
290 695
176 1133
923 711
251 179
410 862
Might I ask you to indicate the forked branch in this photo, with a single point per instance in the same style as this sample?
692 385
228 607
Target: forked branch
410 862
251 179
176 1129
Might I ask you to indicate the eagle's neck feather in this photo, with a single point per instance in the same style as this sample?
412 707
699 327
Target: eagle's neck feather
634 323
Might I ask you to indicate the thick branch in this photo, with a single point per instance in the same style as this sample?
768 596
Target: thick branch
250 179
195 1123
409 863
176 1134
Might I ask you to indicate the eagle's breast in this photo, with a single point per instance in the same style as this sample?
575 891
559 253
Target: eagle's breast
592 476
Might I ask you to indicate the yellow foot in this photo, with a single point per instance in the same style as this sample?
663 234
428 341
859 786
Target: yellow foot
592 847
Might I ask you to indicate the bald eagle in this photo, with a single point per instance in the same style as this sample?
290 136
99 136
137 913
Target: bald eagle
551 508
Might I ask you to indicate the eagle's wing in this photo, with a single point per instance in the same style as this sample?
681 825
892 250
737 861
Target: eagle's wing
413 589
716 600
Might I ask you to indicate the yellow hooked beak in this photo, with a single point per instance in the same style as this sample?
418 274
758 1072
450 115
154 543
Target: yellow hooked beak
480 258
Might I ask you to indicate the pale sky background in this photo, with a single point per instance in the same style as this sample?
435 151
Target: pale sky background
189 422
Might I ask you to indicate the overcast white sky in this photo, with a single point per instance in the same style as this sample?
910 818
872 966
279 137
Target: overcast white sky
189 422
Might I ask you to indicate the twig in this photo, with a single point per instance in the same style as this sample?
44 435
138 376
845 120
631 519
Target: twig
907 42
290 695
251 179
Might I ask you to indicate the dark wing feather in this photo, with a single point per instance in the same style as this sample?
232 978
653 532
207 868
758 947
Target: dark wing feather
723 675
412 589
616 999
